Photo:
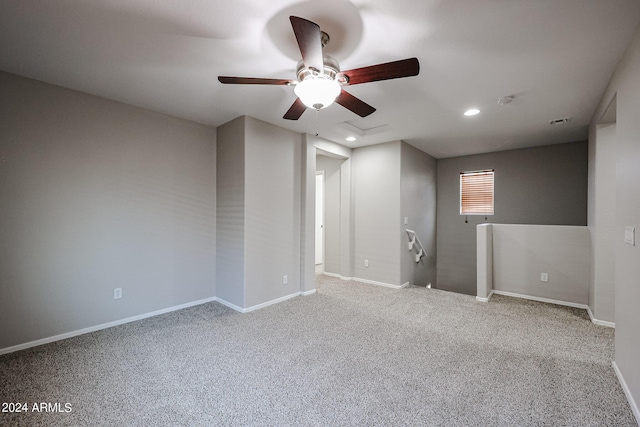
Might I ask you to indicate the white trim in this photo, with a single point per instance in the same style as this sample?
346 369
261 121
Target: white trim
258 306
273 301
367 281
307 293
599 322
627 392
547 300
551 301
487 299
230 305
102 326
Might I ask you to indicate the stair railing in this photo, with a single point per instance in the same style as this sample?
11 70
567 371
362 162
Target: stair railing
415 244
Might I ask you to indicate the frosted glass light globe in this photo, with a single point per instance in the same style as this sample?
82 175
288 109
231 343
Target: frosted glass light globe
317 92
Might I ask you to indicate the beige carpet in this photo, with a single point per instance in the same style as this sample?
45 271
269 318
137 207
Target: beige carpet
351 354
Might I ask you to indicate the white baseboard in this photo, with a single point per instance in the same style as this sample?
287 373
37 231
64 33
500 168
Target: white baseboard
144 316
370 282
551 301
599 322
264 304
548 300
487 299
627 393
273 301
230 305
102 326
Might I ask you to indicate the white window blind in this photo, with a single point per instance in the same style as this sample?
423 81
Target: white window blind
476 193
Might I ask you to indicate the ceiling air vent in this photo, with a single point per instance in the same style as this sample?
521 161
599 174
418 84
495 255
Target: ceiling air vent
560 121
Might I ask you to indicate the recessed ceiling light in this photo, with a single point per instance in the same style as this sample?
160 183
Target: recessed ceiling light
351 138
472 112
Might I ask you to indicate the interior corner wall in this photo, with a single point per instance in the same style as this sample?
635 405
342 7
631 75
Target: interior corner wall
230 171
377 224
418 206
259 213
98 195
602 222
544 185
625 87
273 179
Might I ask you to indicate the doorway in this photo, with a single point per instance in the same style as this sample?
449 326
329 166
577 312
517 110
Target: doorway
319 257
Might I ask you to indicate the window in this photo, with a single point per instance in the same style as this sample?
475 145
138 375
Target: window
476 193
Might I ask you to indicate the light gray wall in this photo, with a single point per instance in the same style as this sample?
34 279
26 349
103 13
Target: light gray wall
307 217
522 252
625 87
377 225
96 195
230 271
418 205
341 199
332 204
542 185
259 212
273 178
602 222
484 245
347 220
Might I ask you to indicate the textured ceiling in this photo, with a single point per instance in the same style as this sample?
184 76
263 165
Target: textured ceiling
554 56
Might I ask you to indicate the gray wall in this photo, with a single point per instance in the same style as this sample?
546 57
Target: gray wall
96 195
522 252
259 212
602 222
418 205
392 181
543 185
625 87
272 211
230 170
377 225
332 184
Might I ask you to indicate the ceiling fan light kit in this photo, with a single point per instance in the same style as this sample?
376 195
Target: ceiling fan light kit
317 91
320 81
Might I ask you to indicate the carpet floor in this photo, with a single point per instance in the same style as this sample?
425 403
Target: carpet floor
352 354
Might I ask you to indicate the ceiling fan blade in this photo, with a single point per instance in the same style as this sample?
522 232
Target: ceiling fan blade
390 70
254 81
354 104
309 40
295 111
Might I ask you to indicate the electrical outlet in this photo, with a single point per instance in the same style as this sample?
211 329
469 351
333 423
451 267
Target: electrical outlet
117 293
366 263
544 277
285 279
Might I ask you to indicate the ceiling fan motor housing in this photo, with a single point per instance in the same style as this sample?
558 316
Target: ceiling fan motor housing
330 71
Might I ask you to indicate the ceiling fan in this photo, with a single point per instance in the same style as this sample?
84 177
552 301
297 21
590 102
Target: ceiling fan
319 79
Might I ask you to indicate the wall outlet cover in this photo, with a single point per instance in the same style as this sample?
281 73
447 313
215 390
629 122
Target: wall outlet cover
544 277
630 235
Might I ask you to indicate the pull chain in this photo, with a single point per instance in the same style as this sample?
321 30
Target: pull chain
317 112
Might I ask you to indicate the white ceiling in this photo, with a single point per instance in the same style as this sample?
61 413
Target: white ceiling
554 56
